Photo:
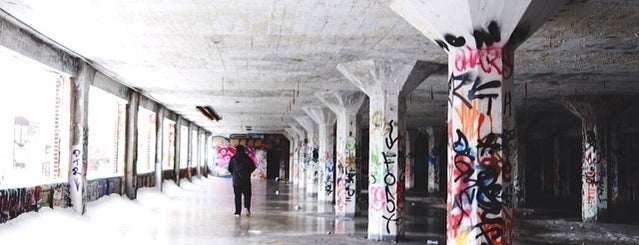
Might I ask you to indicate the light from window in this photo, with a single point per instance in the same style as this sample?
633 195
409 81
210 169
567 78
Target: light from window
35 107
195 158
106 134
146 141
184 144
168 144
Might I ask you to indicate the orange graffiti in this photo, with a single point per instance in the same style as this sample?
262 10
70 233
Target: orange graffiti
468 116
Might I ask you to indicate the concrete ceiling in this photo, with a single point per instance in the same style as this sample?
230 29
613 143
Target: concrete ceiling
258 63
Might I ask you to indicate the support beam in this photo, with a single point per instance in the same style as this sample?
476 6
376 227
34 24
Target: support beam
345 105
178 149
310 155
292 139
79 137
300 148
325 120
387 83
480 38
159 146
131 156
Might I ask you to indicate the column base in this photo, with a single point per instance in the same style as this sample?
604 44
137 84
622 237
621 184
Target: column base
346 215
380 237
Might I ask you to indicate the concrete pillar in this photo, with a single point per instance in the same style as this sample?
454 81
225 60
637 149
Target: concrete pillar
435 143
292 139
206 168
131 156
159 146
480 38
325 120
345 105
595 113
387 83
300 156
310 155
79 137
200 150
178 149
409 178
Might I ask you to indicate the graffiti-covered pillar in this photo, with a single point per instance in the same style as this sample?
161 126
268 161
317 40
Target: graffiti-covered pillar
345 105
310 155
387 83
325 119
480 38
300 150
131 156
80 137
595 113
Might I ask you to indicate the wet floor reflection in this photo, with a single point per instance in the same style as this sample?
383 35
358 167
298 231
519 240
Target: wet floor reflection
279 211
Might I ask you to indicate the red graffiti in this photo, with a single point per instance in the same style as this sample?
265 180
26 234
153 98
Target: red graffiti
225 152
487 59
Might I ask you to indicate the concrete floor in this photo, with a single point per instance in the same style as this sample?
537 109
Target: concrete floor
282 214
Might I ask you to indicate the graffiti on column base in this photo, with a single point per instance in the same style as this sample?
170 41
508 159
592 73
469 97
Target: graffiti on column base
484 189
350 183
328 180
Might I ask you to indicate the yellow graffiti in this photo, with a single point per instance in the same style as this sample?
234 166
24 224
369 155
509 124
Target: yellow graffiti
378 119
462 237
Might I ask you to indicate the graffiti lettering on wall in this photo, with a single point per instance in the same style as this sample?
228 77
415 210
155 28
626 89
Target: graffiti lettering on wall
223 154
101 187
14 202
328 180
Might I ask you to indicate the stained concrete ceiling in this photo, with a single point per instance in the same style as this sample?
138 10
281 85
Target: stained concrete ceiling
258 63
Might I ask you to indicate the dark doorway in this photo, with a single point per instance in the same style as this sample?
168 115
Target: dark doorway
420 156
273 164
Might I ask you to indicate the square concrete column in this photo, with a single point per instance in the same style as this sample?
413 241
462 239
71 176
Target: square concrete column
480 38
300 148
595 113
291 135
159 146
435 135
310 155
345 104
325 119
387 83
79 137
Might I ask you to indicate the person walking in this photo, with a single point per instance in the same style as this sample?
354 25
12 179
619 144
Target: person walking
241 167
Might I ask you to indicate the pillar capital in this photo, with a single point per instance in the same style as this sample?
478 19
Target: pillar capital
377 77
504 24
342 102
592 108
309 126
321 115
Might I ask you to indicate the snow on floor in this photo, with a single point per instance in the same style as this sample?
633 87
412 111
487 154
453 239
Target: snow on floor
112 219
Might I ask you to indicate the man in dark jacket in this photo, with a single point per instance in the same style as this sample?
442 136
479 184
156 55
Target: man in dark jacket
241 167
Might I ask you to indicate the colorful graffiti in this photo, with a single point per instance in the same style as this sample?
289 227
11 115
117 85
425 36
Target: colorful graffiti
480 149
259 157
386 192
14 202
223 154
